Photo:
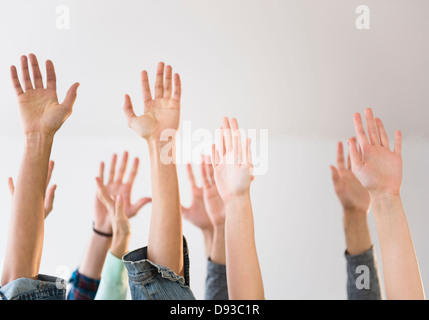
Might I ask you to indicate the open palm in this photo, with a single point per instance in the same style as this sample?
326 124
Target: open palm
39 107
116 186
161 113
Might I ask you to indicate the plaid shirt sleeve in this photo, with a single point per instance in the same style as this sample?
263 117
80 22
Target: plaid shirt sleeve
82 288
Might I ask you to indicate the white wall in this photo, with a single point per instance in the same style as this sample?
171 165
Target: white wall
297 68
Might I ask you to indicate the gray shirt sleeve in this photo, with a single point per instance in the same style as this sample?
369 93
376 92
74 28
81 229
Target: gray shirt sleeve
216 285
362 276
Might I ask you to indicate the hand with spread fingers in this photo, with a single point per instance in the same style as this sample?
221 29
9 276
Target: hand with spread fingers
115 186
119 220
38 105
377 167
353 196
161 112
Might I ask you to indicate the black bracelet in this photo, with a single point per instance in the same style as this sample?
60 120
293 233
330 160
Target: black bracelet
108 235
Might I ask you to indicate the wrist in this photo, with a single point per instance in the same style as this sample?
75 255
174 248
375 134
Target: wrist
238 199
119 246
162 152
219 229
355 214
385 196
103 228
38 139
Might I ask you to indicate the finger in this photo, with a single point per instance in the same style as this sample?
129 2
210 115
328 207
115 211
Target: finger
26 74
119 208
37 76
177 88
227 134
238 145
147 96
129 110
122 168
360 131
354 154
51 78
112 168
359 148
384 139
71 96
221 142
15 81
104 195
215 156
140 204
159 82
349 162
335 174
11 186
372 128
398 142
209 167
133 172
340 156
168 86
50 169
249 152
101 172
191 175
204 175
236 151
49 200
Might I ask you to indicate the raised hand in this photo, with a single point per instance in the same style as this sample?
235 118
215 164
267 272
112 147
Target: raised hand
196 213
38 105
378 168
212 199
161 113
380 171
50 192
116 186
352 195
233 175
232 168
120 222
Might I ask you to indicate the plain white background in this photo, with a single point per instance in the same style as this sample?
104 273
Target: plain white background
297 68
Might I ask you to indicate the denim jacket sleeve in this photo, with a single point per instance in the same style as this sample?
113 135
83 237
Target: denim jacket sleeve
114 280
362 276
216 284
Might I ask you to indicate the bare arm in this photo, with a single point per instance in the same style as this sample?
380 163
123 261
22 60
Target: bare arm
233 175
355 201
197 213
41 116
380 171
98 246
159 125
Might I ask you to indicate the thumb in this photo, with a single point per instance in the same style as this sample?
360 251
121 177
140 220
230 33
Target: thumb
140 204
71 96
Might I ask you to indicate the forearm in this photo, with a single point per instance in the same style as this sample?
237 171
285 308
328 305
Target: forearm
165 244
243 271
94 256
217 253
208 240
358 237
400 267
120 245
26 227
